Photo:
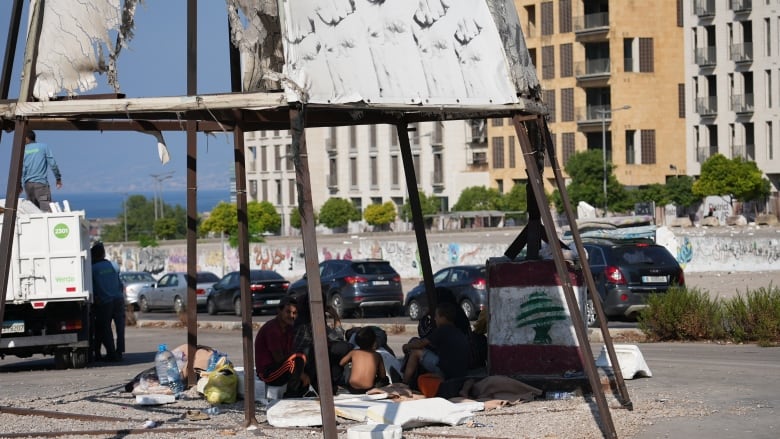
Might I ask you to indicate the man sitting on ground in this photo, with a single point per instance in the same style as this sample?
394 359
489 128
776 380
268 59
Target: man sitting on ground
276 362
443 352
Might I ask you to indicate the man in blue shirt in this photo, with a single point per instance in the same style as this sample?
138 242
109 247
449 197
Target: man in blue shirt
108 304
37 161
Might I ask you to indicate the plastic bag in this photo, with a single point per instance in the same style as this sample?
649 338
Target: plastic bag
222 384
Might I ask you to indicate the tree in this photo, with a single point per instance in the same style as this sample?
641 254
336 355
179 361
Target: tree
295 218
141 224
516 200
380 215
337 213
733 177
679 190
429 205
586 170
262 217
478 198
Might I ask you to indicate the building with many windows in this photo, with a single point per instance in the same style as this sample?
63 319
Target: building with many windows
732 75
363 164
612 76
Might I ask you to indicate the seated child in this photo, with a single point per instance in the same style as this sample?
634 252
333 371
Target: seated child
367 369
443 352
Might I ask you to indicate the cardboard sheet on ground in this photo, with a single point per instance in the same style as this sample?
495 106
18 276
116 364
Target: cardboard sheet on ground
409 414
297 412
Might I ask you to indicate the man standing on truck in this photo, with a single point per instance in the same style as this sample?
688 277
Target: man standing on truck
37 161
109 305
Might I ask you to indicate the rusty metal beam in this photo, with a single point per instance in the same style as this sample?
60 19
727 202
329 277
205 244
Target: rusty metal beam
317 309
535 181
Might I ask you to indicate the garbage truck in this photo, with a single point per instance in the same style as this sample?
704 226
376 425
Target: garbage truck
49 291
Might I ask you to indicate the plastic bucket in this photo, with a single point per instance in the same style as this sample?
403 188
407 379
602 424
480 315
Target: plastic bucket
429 383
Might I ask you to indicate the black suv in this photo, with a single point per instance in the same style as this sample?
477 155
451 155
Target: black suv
626 273
352 286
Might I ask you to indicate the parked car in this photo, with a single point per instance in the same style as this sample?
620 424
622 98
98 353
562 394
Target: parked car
352 286
267 287
170 292
626 273
467 284
133 282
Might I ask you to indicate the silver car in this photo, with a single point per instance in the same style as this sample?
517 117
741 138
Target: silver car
133 282
170 292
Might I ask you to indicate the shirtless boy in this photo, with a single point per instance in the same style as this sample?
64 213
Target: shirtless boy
368 370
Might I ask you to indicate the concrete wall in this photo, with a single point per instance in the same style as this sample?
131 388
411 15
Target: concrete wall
698 249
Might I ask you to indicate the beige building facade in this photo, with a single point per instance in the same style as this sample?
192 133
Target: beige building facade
611 72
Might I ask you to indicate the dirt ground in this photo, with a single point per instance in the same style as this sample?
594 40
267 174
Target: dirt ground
728 284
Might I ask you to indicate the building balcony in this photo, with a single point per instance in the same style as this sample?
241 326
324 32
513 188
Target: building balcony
704 8
707 106
742 104
592 69
741 53
332 180
746 152
591 24
741 6
592 114
705 56
437 180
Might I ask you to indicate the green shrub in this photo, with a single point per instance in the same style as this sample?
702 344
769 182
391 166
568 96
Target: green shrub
681 314
754 317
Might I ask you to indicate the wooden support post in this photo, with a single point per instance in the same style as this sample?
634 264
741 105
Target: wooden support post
417 217
243 264
535 180
192 195
306 209
590 283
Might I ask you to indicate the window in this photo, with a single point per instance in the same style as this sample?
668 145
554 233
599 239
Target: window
438 133
288 158
374 171
394 170
500 186
512 153
548 62
630 147
333 176
628 55
497 122
277 158
498 152
549 100
376 200
547 18
679 13
264 189
252 159
263 158
646 55
253 189
768 80
567 105
438 169
681 101
648 147
372 137
332 142
278 192
768 35
394 137
291 192
770 153
353 137
564 16
567 144
416 163
353 172
567 69
358 203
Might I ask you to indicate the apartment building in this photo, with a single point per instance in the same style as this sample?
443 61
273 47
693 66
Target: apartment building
612 76
362 163
732 70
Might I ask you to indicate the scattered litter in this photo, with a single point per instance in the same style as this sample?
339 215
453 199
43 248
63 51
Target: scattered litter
196 415
150 424
154 399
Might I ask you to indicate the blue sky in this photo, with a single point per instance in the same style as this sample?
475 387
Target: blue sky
154 64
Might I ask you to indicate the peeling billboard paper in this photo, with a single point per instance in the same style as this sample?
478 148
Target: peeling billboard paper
399 52
74 44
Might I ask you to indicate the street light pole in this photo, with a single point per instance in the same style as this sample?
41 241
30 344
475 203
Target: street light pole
604 114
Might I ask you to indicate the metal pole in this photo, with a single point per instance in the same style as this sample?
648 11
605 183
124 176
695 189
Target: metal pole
604 155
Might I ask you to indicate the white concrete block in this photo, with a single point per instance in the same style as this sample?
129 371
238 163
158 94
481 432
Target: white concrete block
630 359
294 413
375 431
419 412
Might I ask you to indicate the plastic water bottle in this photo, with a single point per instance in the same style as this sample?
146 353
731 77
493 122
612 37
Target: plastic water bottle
168 370
213 360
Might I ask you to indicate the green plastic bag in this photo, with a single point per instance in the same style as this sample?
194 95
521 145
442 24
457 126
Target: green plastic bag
222 384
